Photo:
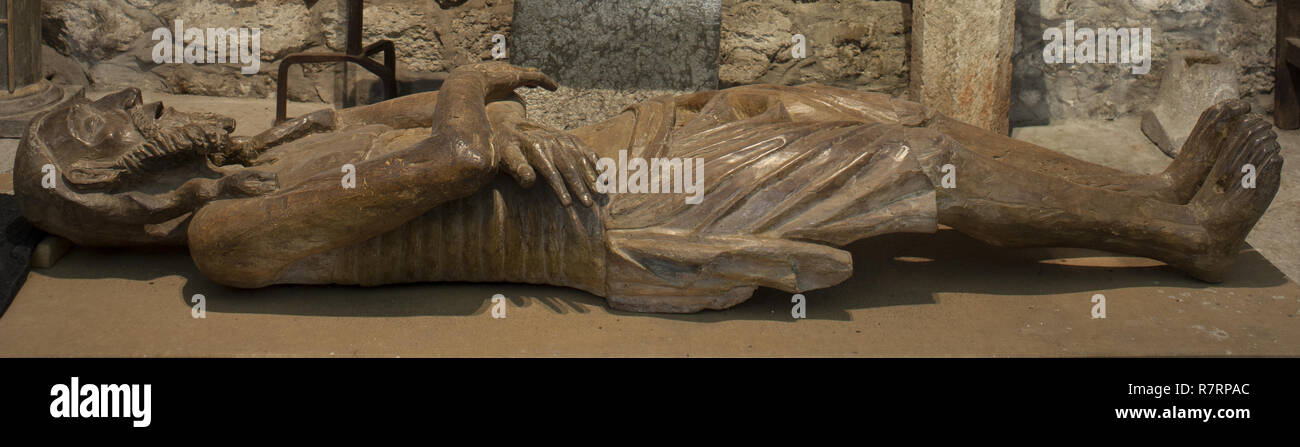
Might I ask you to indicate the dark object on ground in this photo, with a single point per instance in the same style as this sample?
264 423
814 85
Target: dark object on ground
20 237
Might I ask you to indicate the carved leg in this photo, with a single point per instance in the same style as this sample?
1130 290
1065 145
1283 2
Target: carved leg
1176 184
1004 204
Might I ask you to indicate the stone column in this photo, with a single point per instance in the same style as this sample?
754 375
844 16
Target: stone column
961 59
23 92
20 38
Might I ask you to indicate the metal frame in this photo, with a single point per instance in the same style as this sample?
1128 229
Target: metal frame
355 54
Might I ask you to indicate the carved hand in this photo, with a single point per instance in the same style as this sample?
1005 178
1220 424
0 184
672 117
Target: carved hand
566 163
519 147
500 79
248 183
235 183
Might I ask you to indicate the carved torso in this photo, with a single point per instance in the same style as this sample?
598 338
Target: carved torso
501 233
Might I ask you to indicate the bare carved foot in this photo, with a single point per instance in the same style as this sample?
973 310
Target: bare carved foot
1236 193
1209 139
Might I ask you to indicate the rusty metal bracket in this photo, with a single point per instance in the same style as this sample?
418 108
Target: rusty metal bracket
356 54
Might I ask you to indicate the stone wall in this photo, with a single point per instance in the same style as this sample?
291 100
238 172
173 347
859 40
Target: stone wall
112 39
858 44
1241 30
628 44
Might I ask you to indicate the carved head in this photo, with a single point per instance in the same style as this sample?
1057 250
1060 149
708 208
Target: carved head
101 148
119 140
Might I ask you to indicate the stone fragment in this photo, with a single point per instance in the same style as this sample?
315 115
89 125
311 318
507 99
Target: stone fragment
61 69
1194 81
1238 30
49 251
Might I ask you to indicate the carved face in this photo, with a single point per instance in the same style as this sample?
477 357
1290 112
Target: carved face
118 140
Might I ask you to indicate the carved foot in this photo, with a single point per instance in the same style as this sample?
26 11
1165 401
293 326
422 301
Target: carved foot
1236 193
1208 140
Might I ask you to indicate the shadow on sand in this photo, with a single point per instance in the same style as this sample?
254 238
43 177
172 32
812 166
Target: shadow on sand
891 270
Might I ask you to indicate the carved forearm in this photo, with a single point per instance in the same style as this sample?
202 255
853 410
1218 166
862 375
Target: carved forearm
137 208
460 113
246 150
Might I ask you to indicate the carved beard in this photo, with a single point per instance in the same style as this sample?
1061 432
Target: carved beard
165 147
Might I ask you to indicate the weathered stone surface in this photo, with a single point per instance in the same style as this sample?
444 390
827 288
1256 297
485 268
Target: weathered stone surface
1240 30
27 102
214 80
1194 81
849 43
628 44
127 70
111 39
94 30
61 69
49 250
867 41
570 108
8 148
961 59
285 24
20 45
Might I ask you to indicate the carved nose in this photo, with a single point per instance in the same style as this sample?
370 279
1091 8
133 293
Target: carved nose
127 98
154 109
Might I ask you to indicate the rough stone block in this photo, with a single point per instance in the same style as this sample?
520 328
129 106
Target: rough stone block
626 44
49 251
961 59
848 43
1194 81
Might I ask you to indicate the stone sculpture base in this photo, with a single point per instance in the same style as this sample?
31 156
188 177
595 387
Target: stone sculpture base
18 108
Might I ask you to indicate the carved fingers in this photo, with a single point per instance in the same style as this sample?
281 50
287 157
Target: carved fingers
564 162
508 145
500 78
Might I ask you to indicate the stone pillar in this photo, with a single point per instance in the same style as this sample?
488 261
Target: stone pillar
961 59
20 38
23 92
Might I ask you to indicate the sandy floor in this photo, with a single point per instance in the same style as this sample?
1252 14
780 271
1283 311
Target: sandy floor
912 295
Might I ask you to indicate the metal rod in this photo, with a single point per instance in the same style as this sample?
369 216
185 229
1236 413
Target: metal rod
354 27
355 54
9 41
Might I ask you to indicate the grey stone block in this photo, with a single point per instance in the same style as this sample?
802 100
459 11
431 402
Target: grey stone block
1194 81
664 44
